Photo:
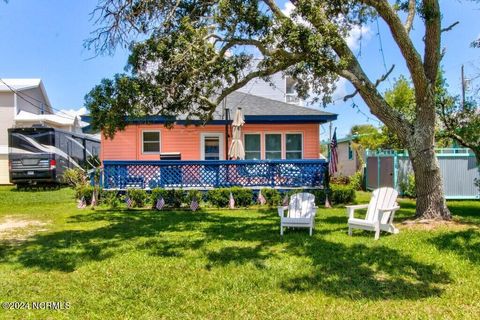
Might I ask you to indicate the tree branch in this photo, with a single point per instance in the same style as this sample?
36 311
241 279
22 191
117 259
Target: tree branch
401 37
450 27
379 80
432 53
411 15
275 9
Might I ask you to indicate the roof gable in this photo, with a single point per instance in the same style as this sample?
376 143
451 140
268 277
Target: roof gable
9 85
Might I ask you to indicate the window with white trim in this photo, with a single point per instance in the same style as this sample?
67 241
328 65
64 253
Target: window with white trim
350 151
293 146
151 141
252 146
273 146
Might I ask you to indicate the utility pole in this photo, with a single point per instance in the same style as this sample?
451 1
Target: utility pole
329 139
463 87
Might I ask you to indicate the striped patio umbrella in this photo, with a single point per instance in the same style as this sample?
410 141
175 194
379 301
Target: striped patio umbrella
236 150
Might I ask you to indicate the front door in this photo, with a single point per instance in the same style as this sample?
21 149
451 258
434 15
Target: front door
212 147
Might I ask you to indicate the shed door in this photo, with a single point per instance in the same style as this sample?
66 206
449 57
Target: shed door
386 172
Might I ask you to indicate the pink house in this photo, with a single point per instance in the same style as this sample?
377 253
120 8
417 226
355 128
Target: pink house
281 141
272 130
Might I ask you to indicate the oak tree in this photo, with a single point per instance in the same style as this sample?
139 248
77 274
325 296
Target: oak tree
188 55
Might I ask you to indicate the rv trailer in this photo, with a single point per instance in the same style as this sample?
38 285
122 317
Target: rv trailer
40 155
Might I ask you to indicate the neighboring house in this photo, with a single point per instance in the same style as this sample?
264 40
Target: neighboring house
25 103
280 88
348 160
272 130
18 95
59 121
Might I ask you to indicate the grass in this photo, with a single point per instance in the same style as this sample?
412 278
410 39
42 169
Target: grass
230 264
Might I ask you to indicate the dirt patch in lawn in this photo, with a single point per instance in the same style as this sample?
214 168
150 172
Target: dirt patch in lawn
16 229
434 224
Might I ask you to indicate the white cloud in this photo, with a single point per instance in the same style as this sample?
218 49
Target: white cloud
341 90
74 113
357 34
288 10
289 7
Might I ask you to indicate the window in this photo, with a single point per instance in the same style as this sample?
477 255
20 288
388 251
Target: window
252 146
273 146
350 151
290 93
211 146
151 141
293 145
290 85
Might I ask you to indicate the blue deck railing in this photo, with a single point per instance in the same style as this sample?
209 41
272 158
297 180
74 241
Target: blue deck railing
212 173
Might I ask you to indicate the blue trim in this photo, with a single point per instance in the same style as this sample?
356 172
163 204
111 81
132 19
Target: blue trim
291 118
314 118
210 162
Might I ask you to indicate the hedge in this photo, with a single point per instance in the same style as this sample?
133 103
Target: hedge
338 194
174 198
219 197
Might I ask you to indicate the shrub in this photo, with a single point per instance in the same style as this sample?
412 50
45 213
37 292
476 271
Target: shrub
243 196
173 198
356 180
408 187
84 191
110 199
342 194
137 196
193 194
338 194
75 177
272 196
340 179
220 197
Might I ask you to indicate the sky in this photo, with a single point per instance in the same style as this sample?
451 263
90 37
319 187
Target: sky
44 39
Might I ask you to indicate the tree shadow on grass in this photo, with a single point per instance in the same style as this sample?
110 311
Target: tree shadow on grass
357 271
67 249
361 272
465 243
238 255
467 211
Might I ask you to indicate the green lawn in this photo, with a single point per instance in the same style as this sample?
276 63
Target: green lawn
141 264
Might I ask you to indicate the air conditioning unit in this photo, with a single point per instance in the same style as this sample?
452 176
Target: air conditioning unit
170 156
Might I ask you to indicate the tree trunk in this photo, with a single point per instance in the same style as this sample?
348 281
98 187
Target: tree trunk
431 202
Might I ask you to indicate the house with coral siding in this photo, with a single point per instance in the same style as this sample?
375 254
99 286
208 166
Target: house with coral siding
273 130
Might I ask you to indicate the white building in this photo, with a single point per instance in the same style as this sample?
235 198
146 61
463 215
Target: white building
281 89
25 103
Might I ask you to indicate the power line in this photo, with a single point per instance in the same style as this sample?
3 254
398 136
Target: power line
22 94
359 111
381 48
360 39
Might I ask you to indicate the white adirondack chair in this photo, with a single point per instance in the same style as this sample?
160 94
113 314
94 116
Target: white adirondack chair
300 212
380 213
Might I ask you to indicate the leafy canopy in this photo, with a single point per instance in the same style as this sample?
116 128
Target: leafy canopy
186 56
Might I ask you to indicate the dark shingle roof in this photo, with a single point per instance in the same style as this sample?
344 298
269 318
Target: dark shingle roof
256 109
259 106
